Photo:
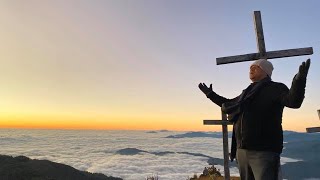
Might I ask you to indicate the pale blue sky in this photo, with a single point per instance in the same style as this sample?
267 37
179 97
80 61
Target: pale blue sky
143 59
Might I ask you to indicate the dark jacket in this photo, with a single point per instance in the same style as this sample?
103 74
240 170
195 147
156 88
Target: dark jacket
258 125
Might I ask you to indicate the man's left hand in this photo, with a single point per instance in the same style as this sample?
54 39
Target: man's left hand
303 70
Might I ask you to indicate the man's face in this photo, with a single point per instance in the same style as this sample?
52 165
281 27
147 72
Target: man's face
256 73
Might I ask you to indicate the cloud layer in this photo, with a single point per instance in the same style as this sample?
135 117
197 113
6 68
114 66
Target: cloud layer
135 155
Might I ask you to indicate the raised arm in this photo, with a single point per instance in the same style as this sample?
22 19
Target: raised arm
214 97
293 97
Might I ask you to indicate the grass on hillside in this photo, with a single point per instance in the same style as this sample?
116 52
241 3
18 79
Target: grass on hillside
211 173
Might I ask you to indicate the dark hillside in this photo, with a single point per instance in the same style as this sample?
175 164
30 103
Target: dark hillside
23 168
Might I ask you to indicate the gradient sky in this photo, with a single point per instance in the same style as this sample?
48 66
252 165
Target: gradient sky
121 64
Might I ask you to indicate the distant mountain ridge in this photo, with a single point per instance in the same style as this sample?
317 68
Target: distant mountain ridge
198 134
23 168
135 151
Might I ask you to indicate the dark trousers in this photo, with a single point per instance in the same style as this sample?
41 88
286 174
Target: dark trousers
258 165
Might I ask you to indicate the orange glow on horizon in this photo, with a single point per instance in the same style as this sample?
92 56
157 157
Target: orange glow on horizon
104 123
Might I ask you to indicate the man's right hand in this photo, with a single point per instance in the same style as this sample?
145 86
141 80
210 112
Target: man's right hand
205 89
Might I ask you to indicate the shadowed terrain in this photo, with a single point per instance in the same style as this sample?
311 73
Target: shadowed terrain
23 168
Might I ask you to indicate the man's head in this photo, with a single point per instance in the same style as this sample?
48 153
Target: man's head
260 69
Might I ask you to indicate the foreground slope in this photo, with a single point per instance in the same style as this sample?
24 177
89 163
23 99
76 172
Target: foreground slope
21 167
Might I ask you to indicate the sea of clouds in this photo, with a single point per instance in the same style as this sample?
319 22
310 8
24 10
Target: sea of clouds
133 155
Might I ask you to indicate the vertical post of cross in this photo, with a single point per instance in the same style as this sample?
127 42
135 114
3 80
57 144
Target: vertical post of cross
259 34
225 147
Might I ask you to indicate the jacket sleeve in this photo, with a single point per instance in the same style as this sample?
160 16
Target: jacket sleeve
294 96
219 100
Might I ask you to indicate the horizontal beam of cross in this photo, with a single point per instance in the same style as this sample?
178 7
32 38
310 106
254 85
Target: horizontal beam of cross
216 122
269 55
313 129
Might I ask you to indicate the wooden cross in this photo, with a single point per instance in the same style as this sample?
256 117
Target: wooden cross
224 122
314 129
262 54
